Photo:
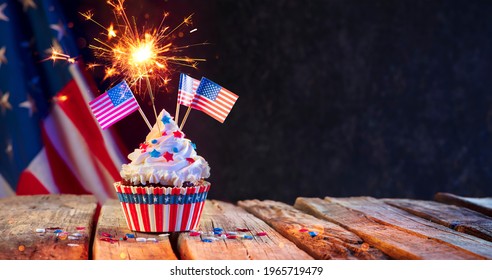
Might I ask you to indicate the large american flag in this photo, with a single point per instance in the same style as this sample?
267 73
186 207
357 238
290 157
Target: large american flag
49 140
187 89
114 105
213 100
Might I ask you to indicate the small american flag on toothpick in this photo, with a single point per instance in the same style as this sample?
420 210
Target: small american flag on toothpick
214 100
114 105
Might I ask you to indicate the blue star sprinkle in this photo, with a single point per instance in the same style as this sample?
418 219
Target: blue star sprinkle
166 119
313 233
193 145
175 149
155 154
154 141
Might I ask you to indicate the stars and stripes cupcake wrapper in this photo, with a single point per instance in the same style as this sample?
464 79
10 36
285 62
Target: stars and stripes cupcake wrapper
162 209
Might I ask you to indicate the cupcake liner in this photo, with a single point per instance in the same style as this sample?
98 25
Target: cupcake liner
162 209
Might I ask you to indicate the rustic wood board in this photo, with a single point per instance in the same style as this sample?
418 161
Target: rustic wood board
21 216
112 222
229 217
387 214
482 205
331 242
454 217
394 241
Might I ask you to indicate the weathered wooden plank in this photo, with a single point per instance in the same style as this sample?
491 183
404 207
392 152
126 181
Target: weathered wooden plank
216 214
331 242
111 241
394 241
22 216
384 213
482 205
454 217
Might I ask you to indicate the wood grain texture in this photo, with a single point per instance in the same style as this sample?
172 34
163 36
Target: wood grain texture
21 216
229 217
386 214
112 222
482 205
331 242
392 240
454 217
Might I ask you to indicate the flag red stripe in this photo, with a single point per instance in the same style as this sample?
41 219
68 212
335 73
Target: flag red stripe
29 185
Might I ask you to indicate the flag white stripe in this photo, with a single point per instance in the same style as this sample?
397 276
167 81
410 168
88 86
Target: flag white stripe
5 189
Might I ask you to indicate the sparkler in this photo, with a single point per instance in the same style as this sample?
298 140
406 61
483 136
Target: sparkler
140 56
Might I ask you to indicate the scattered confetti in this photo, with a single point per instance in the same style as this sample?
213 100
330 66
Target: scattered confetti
242 229
262 233
194 233
141 239
105 234
231 233
77 234
248 237
53 228
164 235
207 240
107 239
151 239
313 233
58 231
21 248
73 245
218 229
231 236
304 230
71 237
130 235
40 230
80 228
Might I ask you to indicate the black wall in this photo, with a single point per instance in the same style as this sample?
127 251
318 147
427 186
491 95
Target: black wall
337 98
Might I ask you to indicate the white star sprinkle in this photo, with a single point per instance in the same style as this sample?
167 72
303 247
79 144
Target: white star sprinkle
29 104
60 29
3 59
4 102
2 14
26 4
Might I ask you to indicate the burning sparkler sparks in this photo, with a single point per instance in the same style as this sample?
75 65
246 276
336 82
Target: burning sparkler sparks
143 57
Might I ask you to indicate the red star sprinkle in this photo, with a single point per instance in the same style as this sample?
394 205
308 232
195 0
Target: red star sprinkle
164 133
178 134
168 156
144 146
190 160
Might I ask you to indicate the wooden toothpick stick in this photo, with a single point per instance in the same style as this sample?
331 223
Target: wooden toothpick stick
185 118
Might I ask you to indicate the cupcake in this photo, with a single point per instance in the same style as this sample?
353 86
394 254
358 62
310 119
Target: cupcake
163 188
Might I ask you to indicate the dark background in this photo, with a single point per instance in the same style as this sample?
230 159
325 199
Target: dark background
337 98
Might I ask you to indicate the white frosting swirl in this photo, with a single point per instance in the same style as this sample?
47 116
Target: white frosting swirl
166 158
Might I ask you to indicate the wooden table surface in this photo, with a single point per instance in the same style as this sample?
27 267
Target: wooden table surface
71 227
